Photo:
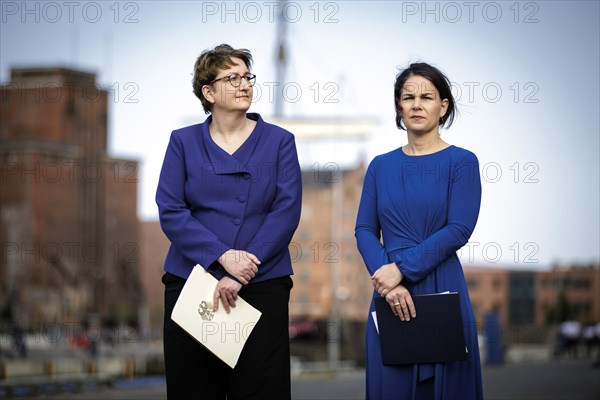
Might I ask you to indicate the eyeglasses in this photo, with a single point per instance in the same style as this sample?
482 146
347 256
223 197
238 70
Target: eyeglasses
236 79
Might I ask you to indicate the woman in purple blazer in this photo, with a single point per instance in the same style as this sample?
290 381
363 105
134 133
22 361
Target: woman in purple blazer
229 199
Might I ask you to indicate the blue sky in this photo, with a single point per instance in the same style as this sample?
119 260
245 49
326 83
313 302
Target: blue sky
525 75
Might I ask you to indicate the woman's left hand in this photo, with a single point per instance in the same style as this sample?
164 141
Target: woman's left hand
401 303
227 290
386 278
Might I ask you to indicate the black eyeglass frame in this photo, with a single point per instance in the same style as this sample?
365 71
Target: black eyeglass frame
250 78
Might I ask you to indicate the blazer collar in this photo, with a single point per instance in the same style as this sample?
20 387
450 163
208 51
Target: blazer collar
225 163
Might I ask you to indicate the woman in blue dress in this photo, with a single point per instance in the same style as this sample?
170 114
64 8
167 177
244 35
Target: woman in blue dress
419 205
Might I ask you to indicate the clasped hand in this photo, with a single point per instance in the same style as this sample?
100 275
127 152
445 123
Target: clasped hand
386 278
401 303
240 264
243 266
386 281
227 291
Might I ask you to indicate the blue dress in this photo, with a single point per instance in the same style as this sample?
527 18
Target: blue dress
424 208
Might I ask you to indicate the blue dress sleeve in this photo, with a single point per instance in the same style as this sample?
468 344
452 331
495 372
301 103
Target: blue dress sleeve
184 231
368 228
463 210
276 231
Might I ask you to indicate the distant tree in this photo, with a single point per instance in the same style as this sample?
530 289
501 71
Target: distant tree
561 309
7 299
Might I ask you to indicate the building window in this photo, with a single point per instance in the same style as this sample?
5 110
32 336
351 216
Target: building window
71 105
581 310
9 157
303 277
578 283
496 284
472 284
303 298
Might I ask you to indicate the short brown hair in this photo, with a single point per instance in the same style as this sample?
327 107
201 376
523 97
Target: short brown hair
209 64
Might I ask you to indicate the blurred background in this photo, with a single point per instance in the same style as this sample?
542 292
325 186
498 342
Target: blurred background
92 90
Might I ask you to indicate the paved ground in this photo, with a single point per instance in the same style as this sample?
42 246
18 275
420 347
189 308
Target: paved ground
557 380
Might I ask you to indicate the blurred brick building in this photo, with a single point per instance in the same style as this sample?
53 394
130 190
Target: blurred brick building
69 228
154 246
528 301
327 265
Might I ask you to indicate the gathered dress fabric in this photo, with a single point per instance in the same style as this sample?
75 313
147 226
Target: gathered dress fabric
418 211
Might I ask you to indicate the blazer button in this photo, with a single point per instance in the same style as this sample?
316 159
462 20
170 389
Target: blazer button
237 221
241 198
246 176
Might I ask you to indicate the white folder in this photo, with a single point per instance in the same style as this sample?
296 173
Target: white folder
223 334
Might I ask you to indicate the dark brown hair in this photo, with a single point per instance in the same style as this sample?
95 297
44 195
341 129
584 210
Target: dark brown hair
437 78
209 64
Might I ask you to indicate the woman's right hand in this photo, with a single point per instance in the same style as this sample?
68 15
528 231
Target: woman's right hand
240 264
386 278
401 302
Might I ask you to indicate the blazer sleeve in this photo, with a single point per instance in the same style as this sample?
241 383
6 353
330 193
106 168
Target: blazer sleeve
185 232
368 228
463 210
276 231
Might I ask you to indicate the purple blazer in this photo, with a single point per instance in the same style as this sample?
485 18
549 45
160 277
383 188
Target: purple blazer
210 201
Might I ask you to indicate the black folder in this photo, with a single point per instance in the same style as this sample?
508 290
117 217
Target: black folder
435 335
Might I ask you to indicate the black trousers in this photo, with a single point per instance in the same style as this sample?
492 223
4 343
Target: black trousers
263 369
